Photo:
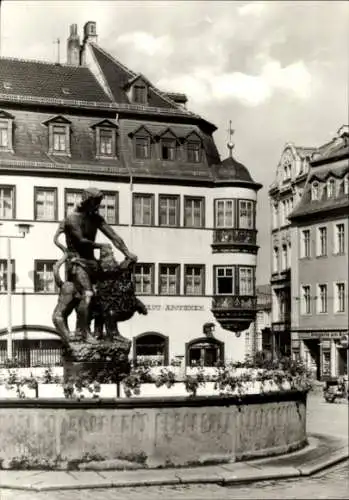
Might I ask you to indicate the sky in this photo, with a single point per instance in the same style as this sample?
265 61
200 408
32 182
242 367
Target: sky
277 69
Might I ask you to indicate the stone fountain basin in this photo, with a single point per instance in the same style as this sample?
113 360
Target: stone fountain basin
149 432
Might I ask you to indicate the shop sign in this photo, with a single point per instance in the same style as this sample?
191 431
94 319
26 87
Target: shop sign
174 307
319 335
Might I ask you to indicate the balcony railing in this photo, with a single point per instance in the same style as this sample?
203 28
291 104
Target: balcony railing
242 239
234 312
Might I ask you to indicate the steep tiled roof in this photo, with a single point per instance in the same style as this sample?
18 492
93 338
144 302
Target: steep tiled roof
118 77
47 80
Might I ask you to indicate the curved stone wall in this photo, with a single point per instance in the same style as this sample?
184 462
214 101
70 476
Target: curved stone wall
149 432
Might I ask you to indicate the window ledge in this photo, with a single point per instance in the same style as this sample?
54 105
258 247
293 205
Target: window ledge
340 313
6 150
321 256
106 157
304 258
337 254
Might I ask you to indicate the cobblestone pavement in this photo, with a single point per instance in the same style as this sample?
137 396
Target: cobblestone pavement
331 484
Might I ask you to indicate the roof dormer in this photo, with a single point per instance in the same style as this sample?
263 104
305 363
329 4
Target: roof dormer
138 90
58 135
6 132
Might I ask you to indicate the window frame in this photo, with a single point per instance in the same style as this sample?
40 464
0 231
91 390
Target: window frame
253 280
54 190
145 137
99 132
276 258
346 184
165 139
139 195
252 204
178 279
202 268
189 149
164 338
331 182
306 311
233 277
320 298
175 197
322 241
68 191
7 120
4 276
305 254
115 194
233 216
43 261
315 191
66 125
152 279
337 298
202 200
137 87
339 242
12 187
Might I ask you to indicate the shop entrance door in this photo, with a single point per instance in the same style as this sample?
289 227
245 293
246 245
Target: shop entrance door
313 346
342 362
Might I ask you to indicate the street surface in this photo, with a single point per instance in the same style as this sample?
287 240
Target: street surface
331 484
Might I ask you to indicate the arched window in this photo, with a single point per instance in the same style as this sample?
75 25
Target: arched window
204 352
152 347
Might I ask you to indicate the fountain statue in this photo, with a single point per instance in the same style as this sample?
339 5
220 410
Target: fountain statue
99 291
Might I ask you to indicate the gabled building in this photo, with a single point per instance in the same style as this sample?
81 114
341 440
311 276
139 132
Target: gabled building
319 266
188 216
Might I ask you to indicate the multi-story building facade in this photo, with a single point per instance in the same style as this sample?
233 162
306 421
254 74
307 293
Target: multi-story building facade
284 194
319 266
258 336
189 216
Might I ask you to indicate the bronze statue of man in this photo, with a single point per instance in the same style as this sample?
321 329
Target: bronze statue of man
80 229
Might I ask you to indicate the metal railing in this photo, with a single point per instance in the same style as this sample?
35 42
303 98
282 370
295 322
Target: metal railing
26 357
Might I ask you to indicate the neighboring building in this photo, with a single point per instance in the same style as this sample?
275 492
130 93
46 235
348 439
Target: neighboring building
258 336
188 216
319 267
284 194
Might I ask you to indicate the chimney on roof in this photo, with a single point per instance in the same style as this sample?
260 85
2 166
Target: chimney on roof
90 32
90 35
73 46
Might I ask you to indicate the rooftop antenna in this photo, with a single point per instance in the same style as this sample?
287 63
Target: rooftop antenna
230 144
58 42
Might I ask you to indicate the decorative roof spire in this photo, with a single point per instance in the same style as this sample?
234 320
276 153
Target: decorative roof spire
230 144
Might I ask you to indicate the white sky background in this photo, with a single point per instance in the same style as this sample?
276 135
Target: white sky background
277 69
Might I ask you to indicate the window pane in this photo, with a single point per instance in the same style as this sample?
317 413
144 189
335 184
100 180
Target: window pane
44 280
45 204
168 280
106 142
6 203
168 211
108 208
224 213
168 149
144 278
142 210
4 143
59 138
73 198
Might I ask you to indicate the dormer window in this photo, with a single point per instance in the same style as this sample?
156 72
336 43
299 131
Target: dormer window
59 135
105 139
6 125
168 145
315 191
193 148
331 188
140 92
142 141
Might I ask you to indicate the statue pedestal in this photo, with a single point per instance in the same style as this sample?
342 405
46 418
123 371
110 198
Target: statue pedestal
104 362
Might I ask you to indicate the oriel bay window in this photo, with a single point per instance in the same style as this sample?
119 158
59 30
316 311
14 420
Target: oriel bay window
144 279
246 281
43 276
72 198
194 211
246 214
109 207
169 279
224 213
45 203
143 209
168 210
7 202
194 279
224 280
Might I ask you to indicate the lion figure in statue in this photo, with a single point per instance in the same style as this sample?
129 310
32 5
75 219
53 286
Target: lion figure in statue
114 297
